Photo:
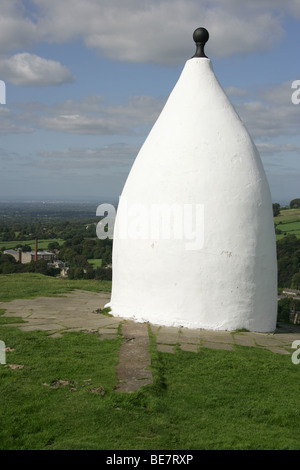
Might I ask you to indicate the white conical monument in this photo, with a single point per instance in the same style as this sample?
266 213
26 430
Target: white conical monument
194 242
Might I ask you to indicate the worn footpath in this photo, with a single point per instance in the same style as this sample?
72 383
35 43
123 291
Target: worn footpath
81 311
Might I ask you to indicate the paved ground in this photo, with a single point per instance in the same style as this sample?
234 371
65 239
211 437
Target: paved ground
81 311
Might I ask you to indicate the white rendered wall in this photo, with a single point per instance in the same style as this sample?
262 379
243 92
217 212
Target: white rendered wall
199 152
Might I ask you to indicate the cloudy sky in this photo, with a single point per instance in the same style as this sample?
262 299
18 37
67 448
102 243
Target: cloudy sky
86 79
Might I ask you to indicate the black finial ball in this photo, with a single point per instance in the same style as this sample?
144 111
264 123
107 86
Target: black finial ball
201 35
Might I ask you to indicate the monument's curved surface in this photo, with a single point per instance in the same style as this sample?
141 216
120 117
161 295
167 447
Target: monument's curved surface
194 241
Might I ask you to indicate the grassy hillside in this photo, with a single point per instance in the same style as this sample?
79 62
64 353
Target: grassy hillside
62 395
30 285
288 222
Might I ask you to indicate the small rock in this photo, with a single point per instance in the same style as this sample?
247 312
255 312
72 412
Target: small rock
15 366
99 390
63 383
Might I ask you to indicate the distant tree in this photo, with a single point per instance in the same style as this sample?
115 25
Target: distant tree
8 236
80 261
8 264
40 266
295 284
288 259
295 204
53 246
71 273
5 258
88 252
91 231
26 248
103 274
284 309
276 209
67 254
75 273
8 268
90 273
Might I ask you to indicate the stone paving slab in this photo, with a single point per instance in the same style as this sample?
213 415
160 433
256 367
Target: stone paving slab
81 311
167 335
266 340
165 348
74 311
216 336
42 326
217 345
244 340
187 336
134 358
189 347
277 350
287 338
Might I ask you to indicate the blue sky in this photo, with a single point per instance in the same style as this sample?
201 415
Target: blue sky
86 80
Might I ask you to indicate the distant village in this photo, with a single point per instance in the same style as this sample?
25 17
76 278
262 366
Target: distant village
36 255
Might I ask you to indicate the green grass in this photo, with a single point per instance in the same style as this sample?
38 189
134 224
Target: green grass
290 226
288 214
247 398
288 222
29 285
97 263
242 399
9 320
33 414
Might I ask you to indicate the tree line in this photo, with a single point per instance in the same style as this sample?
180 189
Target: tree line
75 252
288 261
294 204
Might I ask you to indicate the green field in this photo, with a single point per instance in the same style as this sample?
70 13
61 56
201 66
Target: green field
247 398
42 244
288 214
288 222
97 263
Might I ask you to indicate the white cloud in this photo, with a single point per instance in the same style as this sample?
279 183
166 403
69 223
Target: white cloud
111 159
161 31
89 116
236 92
270 114
17 30
92 116
10 123
270 149
143 31
31 70
277 94
265 119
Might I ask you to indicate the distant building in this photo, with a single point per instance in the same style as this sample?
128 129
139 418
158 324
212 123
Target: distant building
26 257
46 255
63 267
292 293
